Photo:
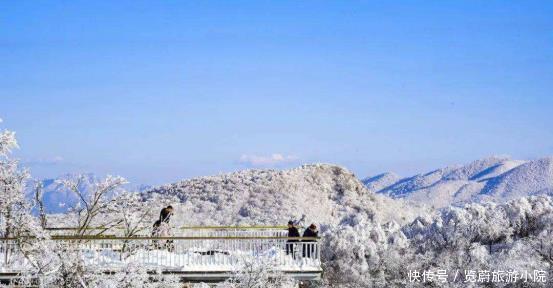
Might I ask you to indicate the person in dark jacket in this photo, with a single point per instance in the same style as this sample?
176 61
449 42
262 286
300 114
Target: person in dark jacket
164 217
166 214
310 232
159 231
292 232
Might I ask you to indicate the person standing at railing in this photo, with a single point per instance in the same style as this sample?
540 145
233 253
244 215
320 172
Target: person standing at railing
164 217
309 248
292 232
162 228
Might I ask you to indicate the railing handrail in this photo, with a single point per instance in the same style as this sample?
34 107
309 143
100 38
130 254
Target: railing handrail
181 227
109 237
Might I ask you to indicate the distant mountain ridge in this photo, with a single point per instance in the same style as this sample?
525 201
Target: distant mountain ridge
381 181
291 191
497 179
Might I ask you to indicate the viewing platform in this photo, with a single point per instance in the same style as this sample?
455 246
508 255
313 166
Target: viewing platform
196 254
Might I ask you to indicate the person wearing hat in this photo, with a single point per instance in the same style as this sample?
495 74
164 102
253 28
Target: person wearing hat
292 232
310 232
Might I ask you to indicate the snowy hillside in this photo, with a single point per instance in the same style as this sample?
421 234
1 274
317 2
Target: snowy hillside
497 179
381 181
533 177
323 193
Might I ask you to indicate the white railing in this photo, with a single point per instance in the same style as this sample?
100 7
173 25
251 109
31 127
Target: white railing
260 231
183 253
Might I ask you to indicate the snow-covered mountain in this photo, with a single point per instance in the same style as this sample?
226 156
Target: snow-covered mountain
533 177
323 193
496 179
381 181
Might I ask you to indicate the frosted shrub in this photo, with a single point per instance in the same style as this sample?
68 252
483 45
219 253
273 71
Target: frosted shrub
257 273
511 236
133 276
364 255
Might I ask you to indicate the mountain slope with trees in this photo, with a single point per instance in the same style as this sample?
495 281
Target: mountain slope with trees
319 193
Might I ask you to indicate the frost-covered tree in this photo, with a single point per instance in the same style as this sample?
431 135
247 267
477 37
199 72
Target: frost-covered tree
132 213
134 276
16 220
13 205
93 203
485 237
257 273
51 263
39 203
364 253
515 236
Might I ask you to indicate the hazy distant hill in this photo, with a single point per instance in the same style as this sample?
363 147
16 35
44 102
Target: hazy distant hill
496 179
57 199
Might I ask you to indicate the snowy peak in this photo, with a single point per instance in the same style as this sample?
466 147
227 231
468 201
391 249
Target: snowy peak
407 185
476 169
533 177
381 181
494 178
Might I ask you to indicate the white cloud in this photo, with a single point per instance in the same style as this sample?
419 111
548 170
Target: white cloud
267 160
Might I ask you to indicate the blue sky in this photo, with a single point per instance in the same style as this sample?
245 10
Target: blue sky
163 90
